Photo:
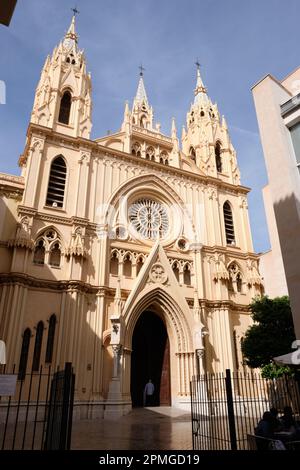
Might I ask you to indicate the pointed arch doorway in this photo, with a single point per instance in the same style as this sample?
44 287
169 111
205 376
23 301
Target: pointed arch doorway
150 359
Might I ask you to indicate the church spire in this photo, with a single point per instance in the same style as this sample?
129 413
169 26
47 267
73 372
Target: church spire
142 113
141 95
71 37
200 90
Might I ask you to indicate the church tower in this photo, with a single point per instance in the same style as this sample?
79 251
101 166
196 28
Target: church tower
63 95
206 140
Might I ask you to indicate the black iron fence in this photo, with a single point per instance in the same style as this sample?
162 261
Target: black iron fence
227 407
38 416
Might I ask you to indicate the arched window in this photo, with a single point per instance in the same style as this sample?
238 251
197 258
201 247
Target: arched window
38 346
235 283
143 121
192 153
228 221
65 108
55 255
176 270
57 183
39 252
202 114
239 283
114 264
166 162
139 265
136 149
24 354
218 157
127 266
50 339
187 275
150 153
161 160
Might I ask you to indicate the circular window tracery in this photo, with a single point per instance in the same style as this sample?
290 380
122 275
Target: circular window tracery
149 218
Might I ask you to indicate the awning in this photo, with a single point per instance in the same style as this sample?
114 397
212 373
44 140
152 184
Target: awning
291 359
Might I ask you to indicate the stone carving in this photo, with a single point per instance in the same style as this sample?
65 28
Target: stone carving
220 268
76 247
253 276
157 274
22 237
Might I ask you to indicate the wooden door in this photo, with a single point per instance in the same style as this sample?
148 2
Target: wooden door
165 385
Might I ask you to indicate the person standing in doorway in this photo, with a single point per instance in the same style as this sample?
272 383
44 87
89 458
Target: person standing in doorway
148 393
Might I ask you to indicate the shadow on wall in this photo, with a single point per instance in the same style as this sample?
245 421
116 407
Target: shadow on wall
7 228
287 214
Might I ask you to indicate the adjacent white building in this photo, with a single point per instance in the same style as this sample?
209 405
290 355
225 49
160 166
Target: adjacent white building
278 112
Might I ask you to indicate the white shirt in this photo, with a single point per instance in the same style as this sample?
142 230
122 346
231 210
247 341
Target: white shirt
149 388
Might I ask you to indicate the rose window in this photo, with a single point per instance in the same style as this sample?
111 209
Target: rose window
149 218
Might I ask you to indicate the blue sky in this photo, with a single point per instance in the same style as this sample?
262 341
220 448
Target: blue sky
237 43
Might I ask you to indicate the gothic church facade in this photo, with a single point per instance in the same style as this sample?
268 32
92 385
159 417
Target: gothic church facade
129 255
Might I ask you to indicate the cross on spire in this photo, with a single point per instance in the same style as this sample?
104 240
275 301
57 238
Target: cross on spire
142 69
200 88
75 11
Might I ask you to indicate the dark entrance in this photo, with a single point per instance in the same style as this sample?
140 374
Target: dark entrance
150 359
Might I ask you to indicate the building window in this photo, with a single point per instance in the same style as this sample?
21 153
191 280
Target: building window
187 275
176 270
114 264
235 283
24 354
228 221
48 248
139 265
39 253
57 183
192 154
295 134
50 339
218 157
150 153
239 283
38 346
136 150
127 266
65 108
55 255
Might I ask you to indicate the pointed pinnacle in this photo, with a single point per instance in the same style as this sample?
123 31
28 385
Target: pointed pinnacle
173 129
71 33
141 91
200 88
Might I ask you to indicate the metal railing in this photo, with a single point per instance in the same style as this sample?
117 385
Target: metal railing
227 407
27 417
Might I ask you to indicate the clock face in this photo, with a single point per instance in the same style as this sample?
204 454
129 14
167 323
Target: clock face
149 218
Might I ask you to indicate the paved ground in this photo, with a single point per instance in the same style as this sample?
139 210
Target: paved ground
157 428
